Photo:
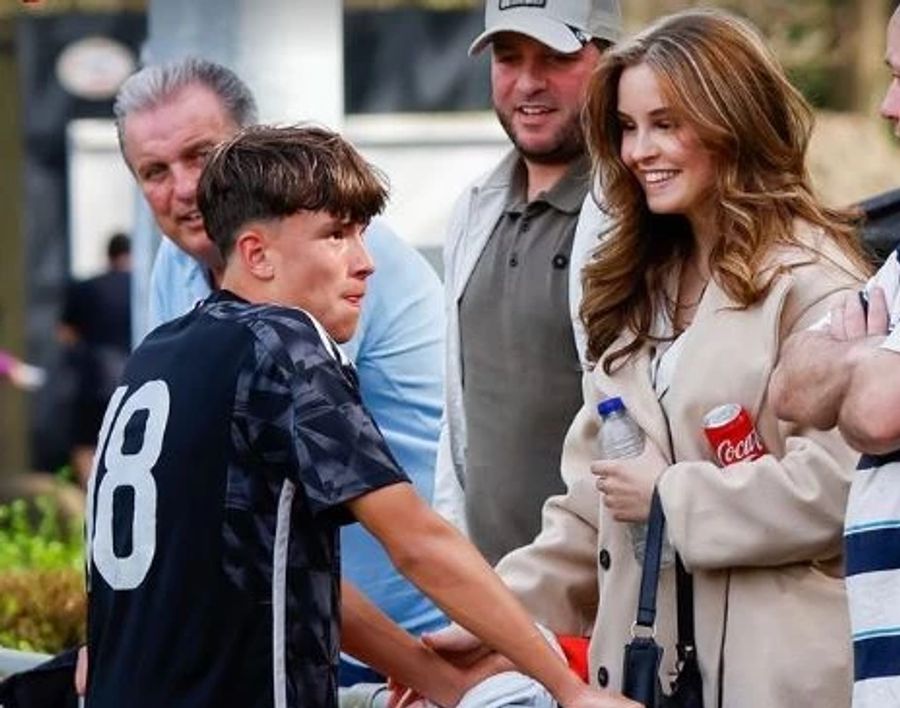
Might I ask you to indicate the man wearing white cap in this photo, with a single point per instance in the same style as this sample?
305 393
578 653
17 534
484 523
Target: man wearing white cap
513 256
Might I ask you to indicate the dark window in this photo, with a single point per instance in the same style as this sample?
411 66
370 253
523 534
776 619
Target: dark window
412 57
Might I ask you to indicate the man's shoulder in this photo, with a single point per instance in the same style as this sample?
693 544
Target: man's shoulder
483 199
499 176
168 251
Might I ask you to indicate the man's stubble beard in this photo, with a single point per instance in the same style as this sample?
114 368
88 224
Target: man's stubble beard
568 145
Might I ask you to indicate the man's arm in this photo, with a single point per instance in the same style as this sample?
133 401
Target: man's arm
431 553
869 418
811 379
814 372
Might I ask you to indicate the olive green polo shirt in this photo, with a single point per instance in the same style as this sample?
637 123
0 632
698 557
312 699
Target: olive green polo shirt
521 373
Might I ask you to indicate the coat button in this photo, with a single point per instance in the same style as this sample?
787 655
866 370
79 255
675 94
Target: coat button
604 559
560 261
602 676
513 260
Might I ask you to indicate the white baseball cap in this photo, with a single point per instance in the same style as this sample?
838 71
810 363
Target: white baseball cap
563 25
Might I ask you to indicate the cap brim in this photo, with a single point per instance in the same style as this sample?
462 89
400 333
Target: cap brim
555 35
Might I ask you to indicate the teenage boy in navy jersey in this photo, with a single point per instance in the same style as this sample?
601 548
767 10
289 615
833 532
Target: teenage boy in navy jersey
235 448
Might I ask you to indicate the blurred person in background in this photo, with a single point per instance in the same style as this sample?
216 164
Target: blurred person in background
720 250
846 372
169 119
95 328
516 243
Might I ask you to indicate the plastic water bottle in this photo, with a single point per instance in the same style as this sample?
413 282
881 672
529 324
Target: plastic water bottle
620 437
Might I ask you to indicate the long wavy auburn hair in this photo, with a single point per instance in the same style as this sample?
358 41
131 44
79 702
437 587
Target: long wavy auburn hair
718 76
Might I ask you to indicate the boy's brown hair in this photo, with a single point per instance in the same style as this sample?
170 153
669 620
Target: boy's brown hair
266 173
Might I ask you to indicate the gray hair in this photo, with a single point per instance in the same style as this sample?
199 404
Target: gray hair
153 85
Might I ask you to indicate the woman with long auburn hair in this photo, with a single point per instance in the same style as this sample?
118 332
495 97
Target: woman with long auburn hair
720 250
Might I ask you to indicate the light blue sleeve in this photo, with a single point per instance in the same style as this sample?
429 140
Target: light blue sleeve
177 283
399 351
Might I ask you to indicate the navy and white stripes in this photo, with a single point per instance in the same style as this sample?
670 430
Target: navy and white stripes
872 535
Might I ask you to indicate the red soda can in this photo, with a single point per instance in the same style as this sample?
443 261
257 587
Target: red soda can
732 435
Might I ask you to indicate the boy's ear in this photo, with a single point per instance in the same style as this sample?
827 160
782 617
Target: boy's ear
252 247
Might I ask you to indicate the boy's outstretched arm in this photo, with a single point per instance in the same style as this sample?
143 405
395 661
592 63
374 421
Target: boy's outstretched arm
447 568
373 638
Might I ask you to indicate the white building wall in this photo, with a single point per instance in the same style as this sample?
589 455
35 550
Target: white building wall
101 194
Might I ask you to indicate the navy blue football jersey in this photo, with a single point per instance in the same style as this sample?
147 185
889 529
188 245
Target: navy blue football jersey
224 461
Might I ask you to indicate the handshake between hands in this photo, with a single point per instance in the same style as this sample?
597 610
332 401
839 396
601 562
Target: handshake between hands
467 663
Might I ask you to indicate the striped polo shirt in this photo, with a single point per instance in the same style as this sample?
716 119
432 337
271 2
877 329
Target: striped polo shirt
872 535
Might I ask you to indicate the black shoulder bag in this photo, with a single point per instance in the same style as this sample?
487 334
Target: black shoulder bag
643 655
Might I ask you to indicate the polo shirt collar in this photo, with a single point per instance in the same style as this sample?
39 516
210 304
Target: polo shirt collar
566 196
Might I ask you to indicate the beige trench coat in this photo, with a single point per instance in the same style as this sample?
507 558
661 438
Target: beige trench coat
763 539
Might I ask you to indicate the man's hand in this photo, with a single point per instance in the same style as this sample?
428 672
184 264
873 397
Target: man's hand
464 649
468 675
627 484
849 321
457 645
467 653
592 698
474 659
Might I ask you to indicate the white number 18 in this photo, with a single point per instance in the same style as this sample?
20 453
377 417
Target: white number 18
127 470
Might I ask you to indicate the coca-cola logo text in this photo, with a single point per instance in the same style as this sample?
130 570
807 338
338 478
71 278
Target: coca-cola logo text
750 448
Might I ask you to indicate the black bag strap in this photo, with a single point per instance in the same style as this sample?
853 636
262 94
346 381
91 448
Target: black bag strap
646 614
684 596
684 584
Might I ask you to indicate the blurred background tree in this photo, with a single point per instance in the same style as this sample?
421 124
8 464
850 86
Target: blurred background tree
832 49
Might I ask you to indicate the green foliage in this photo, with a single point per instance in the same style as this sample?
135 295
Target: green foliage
817 84
42 598
34 535
42 610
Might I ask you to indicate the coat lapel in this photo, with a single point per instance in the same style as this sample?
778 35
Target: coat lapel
636 391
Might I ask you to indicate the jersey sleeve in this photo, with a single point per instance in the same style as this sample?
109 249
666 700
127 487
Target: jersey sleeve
302 409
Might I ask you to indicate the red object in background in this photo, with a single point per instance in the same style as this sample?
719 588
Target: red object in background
732 435
576 651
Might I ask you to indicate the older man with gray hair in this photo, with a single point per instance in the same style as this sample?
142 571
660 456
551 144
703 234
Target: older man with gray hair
169 118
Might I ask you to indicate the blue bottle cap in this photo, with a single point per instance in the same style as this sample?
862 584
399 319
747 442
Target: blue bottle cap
610 405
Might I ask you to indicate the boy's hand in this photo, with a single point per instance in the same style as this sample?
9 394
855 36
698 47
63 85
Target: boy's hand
81 669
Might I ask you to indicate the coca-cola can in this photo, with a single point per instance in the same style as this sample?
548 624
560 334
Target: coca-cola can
732 435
